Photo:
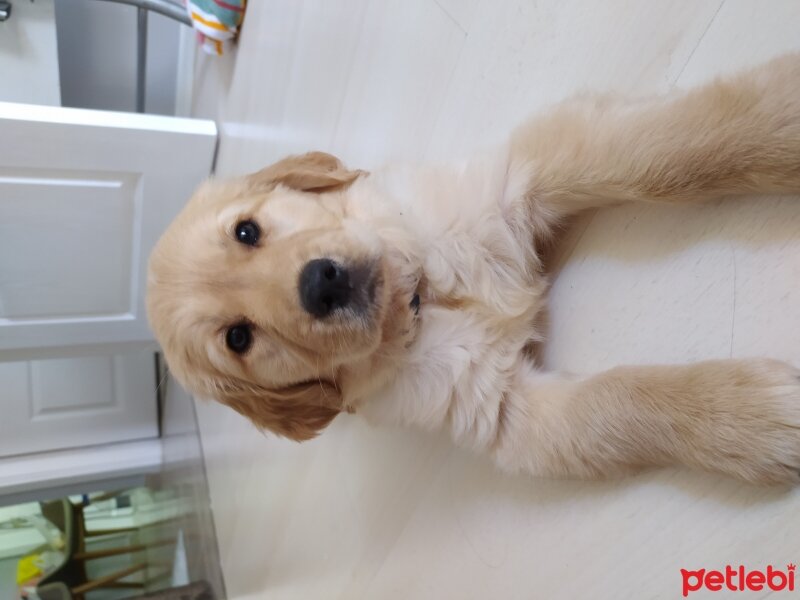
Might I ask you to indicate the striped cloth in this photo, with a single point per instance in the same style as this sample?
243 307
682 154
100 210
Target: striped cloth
216 21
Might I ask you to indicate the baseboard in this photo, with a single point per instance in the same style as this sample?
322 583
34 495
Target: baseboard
58 473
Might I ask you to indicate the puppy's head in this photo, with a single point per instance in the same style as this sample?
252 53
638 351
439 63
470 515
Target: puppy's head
263 288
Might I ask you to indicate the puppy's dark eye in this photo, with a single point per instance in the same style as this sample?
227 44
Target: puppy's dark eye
239 338
248 232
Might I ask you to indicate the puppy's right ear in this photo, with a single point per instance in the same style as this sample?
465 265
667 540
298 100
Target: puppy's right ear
311 172
298 412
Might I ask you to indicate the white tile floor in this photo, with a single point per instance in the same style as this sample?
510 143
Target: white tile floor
367 513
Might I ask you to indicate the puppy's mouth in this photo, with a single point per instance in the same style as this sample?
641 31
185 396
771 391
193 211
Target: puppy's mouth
366 284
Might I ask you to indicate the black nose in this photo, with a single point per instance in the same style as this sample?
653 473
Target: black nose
324 287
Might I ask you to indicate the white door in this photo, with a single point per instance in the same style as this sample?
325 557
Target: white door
75 402
84 195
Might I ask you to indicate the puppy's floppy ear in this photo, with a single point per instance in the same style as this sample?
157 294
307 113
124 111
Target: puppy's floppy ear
298 412
311 172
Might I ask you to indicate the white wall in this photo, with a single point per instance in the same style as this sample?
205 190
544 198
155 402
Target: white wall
97 57
28 54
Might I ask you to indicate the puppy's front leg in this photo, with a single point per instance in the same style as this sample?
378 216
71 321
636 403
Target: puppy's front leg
733 136
740 417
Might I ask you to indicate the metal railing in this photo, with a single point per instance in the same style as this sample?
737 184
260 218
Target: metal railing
162 7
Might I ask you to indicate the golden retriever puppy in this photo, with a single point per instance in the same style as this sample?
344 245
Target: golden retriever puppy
410 294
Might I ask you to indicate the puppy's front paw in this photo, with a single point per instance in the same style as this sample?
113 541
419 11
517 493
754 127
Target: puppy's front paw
755 424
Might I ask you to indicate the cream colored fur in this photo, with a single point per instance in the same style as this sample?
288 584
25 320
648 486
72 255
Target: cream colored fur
467 239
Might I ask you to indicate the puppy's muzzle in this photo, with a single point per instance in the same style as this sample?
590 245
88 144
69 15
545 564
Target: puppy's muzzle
324 287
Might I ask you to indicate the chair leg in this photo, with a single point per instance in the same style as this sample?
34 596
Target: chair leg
108 552
132 585
97 532
104 581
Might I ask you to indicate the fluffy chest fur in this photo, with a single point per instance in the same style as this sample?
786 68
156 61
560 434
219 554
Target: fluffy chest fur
466 234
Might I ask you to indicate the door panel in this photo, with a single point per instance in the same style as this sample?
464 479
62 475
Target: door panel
84 195
67 403
87 222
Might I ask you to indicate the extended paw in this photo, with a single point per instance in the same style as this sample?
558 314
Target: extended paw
757 437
